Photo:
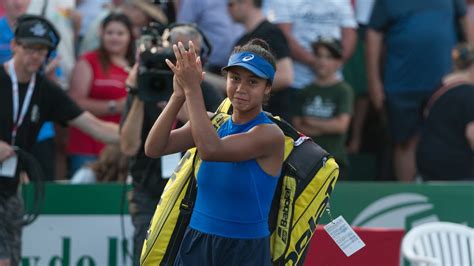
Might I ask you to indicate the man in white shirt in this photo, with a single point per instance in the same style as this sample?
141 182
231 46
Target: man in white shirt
304 21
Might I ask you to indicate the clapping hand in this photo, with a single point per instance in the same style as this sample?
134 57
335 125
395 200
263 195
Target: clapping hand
187 71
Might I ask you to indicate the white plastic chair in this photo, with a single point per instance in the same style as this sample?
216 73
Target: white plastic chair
439 243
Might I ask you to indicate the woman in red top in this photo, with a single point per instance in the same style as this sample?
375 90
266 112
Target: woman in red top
98 85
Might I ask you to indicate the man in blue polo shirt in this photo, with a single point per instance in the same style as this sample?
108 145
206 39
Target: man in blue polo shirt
418 37
44 149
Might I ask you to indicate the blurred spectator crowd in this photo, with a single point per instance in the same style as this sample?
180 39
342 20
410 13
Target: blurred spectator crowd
355 75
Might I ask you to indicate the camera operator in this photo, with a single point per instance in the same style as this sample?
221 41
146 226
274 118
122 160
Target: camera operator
139 117
31 99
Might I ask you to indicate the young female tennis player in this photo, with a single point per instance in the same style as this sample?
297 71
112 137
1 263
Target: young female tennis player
241 161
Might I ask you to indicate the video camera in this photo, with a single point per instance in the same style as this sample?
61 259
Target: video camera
155 78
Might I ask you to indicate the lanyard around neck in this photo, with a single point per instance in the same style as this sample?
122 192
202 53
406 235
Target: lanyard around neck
19 117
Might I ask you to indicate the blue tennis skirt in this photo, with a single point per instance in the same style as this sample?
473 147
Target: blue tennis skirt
199 248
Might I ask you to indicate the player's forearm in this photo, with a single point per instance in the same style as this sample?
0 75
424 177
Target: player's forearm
203 132
158 137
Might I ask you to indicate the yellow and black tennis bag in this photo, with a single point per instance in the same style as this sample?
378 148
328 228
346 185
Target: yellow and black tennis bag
308 178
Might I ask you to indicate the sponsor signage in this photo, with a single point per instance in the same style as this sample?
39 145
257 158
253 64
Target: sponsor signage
82 225
78 240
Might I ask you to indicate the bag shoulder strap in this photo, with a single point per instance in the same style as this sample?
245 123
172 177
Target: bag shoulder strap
287 129
440 92
217 121
226 108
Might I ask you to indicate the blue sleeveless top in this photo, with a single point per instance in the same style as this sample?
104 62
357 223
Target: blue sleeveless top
234 198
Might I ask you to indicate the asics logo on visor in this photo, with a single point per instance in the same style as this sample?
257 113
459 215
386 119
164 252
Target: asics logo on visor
248 58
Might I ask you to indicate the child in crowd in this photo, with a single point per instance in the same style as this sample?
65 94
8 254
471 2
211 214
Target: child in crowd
111 166
324 107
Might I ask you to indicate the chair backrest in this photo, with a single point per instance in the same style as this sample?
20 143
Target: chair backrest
439 243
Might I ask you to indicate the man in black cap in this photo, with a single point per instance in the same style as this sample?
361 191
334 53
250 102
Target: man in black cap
26 101
44 148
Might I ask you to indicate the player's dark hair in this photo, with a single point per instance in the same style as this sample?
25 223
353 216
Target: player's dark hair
258 47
